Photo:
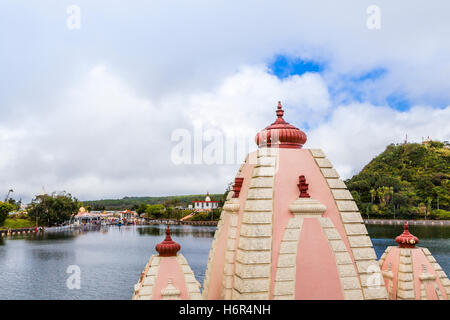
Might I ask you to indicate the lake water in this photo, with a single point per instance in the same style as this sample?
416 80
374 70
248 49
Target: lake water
112 258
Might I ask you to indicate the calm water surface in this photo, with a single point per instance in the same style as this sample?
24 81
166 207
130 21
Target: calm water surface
112 258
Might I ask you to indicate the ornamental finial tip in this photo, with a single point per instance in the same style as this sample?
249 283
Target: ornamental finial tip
280 112
168 247
406 239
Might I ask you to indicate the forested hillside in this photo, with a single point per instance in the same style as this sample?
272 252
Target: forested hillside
405 181
134 202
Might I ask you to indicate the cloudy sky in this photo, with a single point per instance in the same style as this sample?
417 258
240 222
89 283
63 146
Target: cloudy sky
95 111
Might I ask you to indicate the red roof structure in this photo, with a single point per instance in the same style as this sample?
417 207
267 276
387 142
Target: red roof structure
168 247
406 239
281 134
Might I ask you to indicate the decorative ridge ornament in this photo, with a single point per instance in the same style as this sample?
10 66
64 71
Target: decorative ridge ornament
170 292
232 205
307 207
280 134
303 187
237 187
406 239
168 247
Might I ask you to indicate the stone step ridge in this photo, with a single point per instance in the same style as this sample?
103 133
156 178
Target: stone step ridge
138 286
253 255
389 276
383 256
427 279
145 290
212 250
192 285
441 274
405 283
360 243
228 272
347 272
284 284
229 206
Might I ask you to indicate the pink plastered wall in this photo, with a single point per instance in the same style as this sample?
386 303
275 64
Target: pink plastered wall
316 273
419 260
291 164
169 268
392 258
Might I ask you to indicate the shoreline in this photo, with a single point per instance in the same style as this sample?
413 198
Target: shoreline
410 222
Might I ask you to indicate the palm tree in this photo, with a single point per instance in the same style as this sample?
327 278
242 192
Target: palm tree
372 195
7 195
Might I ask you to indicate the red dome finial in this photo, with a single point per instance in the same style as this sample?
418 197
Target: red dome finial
280 111
280 133
168 247
406 239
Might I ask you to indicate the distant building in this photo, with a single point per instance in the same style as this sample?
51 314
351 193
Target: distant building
427 140
127 214
206 205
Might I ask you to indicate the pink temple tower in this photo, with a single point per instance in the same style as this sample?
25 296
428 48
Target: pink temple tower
412 273
290 228
167 275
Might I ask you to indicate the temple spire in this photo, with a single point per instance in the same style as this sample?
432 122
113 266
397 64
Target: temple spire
280 113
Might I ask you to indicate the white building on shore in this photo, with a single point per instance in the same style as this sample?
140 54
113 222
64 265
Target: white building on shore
206 205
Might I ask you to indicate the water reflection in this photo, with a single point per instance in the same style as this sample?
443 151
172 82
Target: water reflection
44 254
178 231
420 231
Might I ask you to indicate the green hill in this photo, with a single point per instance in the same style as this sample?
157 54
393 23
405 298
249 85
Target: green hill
405 181
134 202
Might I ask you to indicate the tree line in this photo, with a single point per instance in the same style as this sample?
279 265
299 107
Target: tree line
409 181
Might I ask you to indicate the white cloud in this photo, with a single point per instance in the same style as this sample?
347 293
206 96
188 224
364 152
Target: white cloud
104 131
356 133
158 47
102 139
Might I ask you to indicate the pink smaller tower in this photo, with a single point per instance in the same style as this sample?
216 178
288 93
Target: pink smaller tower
412 273
167 275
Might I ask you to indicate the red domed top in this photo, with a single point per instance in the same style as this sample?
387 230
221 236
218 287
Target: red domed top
168 247
280 134
406 239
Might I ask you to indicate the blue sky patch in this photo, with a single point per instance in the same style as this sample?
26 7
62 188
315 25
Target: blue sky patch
398 102
373 74
348 88
283 66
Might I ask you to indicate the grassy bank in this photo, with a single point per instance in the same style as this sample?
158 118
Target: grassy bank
17 223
